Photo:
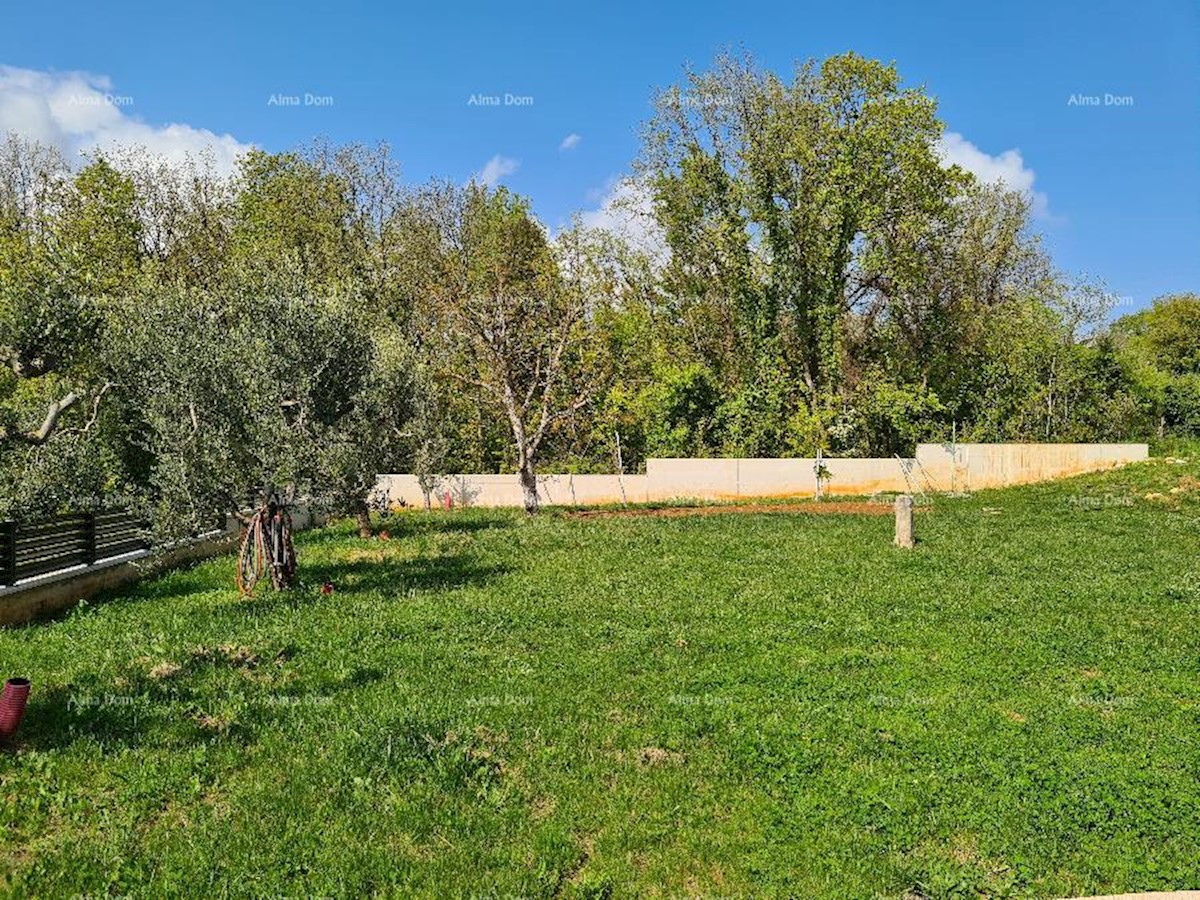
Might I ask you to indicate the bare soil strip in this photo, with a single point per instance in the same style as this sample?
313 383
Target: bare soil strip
835 507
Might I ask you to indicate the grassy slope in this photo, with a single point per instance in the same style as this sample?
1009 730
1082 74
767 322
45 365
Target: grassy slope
767 704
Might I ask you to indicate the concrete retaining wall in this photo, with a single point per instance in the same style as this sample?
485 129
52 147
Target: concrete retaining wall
505 490
936 467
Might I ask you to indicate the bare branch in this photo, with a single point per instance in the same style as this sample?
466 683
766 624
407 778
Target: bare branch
91 422
48 425
108 385
476 382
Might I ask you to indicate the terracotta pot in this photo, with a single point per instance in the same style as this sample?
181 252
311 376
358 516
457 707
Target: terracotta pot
12 705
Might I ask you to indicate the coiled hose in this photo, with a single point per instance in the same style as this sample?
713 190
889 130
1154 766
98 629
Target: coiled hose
267 546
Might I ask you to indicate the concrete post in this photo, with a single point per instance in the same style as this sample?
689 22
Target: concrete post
904 521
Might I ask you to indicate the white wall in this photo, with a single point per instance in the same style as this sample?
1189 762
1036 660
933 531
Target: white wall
936 467
505 490
972 467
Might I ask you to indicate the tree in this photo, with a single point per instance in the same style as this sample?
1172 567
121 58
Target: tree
506 308
1160 348
1167 335
926 296
100 231
185 211
256 389
375 435
767 191
65 244
328 218
291 210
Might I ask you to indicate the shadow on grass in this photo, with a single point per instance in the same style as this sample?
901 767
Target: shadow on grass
217 573
406 524
196 578
189 707
124 718
177 583
423 574
388 579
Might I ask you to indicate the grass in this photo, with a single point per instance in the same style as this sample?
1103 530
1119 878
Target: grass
722 705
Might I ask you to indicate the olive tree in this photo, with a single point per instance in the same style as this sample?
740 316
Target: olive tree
259 387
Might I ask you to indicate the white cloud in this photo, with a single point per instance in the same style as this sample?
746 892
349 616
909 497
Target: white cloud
1008 168
496 168
626 208
79 111
570 142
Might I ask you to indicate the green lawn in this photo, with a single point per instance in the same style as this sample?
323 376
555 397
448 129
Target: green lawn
770 704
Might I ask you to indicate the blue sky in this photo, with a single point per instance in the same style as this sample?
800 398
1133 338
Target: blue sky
1120 183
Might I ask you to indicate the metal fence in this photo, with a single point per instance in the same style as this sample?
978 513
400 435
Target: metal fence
30 549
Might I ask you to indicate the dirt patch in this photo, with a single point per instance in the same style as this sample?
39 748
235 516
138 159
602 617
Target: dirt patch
543 808
241 657
164 670
835 507
649 757
218 724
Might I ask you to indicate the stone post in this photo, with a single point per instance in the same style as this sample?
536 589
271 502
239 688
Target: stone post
904 521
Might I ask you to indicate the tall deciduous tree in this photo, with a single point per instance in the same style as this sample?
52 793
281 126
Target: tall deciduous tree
506 317
767 189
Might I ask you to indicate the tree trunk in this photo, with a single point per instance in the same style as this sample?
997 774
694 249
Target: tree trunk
362 515
529 485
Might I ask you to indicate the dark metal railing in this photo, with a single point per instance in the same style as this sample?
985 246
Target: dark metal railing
30 549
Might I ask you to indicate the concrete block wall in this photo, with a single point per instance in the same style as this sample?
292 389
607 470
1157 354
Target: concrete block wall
973 467
936 467
505 490
733 479
706 479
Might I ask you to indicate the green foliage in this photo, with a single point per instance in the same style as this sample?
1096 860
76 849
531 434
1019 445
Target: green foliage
822 282
100 231
1160 349
237 394
190 343
288 205
753 420
1181 404
1168 333
892 418
765 190
679 411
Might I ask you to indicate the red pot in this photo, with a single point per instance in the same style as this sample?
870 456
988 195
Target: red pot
12 706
